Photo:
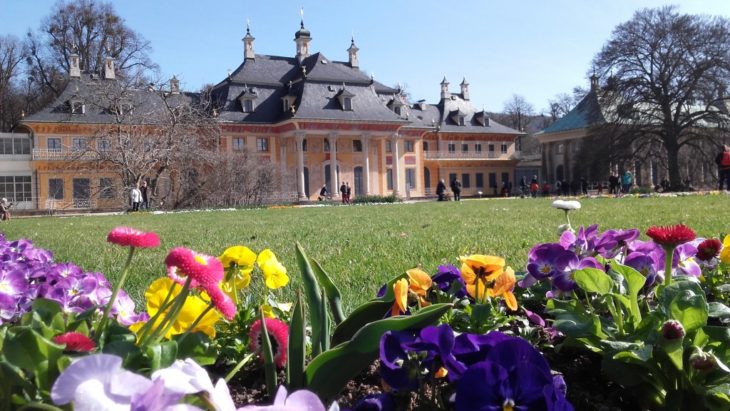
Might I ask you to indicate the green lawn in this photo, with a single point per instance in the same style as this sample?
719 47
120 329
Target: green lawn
361 246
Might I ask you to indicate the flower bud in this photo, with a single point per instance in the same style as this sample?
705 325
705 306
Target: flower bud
673 330
702 361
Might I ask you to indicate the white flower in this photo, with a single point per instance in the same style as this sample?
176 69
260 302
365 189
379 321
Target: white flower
566 205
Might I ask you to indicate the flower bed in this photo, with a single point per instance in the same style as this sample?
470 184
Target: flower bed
647 318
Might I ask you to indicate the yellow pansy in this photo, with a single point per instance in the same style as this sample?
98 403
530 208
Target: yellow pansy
485 267
274 272
725 253
420 281
268 311
191 309
240 255
503 286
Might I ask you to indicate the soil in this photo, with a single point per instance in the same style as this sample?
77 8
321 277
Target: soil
587 388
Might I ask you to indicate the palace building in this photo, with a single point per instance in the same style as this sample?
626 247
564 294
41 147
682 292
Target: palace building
319 121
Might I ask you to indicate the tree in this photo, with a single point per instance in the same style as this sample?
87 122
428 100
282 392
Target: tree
11 55
157 133
93 31
665 77
518 112
562 103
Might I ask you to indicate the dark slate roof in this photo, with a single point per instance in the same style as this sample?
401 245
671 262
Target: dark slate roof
100 97
315 85
587 113
443 115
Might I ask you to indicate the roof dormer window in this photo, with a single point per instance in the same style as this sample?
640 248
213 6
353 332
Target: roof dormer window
288 103
345 98
397 109
247 97
77 107
462 120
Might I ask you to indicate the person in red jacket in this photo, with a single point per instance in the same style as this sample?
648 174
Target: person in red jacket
723 167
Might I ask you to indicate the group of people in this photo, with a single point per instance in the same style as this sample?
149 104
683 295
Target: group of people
5 209
455 190
345 193
139 196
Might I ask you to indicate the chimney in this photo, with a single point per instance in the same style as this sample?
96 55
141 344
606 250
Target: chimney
109 69
594 83
445 89
75 69
302 38
174 85
248 53
464 89
352 51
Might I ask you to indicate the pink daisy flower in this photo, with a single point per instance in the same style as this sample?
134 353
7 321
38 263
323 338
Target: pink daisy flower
205 271
222 302
75 341
278 335
130 237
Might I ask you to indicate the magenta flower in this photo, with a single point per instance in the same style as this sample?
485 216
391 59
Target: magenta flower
75 341
204 270
671 236
130 237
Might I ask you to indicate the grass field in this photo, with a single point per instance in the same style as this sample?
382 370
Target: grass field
360 246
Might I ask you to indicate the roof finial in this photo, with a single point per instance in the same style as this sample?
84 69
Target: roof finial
301 13
248 25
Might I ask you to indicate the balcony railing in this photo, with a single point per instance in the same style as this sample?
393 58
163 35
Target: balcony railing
51 154
461 155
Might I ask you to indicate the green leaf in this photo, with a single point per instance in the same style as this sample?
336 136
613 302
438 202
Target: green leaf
634 282
314 299
269 366
330 290
572 319
297 346
719 310
364 314
593 280
46 309
684 301
675 351
328 373
197 346
162 354
27 349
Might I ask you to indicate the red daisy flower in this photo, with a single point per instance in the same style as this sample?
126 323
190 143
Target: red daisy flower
672 235
130 237
222 302
75 341
709 249
204 270
278 335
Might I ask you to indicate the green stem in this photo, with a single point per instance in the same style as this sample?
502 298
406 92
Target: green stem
144 331
245 360
101 331
567 217
669 254
169 320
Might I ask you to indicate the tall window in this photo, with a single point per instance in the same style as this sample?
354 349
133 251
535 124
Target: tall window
480 180
347 103
326 145
409 146
304 145
503 148
357 146
464 147
53 144
478 147
452 147
492 180
103 145
465 180
55 188
388 146
262 144
490 147
15 188
389 178
425 146
560 149
238 143
411 177
452 177
106 189
78 144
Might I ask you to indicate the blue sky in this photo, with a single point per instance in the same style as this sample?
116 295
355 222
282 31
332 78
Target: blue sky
533 48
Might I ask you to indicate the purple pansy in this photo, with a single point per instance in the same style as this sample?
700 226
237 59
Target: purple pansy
544 260
684 262
513 375
375 402
583 243
396 367
648 265
563 281
612 242
446 276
